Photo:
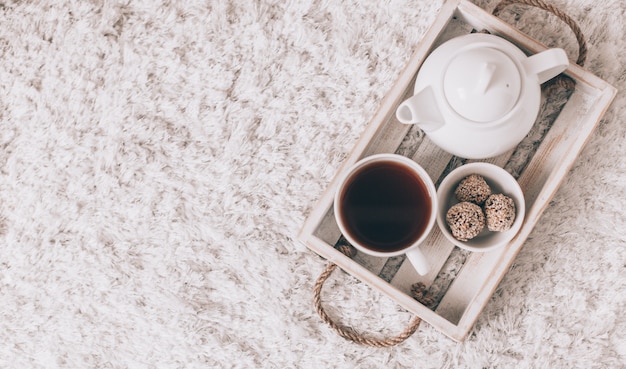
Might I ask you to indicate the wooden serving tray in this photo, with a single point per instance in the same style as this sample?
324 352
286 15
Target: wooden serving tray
461 281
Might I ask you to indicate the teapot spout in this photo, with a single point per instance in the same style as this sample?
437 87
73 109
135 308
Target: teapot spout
421 109
546 64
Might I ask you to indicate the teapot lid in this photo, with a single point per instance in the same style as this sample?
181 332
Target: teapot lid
482 84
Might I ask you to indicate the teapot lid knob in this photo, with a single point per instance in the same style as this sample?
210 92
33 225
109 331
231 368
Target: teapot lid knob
482 84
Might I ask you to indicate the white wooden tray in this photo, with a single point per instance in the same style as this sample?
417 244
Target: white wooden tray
462 281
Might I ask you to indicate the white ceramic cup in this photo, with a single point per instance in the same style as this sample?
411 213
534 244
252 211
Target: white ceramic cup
424 192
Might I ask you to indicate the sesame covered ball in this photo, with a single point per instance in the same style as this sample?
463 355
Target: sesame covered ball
465 220
473 188
500 212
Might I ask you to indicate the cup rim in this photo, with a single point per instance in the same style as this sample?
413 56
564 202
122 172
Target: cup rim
424 176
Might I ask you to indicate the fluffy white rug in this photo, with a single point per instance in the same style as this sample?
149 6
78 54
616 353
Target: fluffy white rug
157 161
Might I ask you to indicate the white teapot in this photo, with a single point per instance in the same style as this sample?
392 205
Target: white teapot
478 95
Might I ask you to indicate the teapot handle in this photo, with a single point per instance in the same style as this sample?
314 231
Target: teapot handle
546 64
582 45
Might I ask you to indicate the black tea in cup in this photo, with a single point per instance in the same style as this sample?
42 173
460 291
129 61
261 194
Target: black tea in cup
385 206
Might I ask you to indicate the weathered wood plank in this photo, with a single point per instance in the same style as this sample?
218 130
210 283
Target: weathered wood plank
463 290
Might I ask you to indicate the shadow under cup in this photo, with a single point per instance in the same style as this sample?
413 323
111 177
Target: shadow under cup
385 206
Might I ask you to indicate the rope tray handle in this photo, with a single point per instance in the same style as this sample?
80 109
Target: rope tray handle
418 291
580 37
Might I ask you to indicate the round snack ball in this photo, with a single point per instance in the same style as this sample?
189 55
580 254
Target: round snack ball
465 220
473 188
500 212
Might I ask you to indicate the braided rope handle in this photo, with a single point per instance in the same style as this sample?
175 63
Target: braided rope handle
580 37
419 291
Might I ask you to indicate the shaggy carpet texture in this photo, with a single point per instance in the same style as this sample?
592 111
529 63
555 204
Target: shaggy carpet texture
157 160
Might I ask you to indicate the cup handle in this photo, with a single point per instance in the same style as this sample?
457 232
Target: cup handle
419 261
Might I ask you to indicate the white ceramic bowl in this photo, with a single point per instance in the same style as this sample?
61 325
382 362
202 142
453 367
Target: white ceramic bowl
500 181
